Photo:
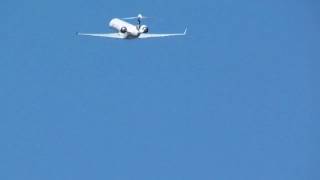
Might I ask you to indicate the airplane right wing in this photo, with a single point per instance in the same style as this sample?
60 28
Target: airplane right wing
144 36
109 35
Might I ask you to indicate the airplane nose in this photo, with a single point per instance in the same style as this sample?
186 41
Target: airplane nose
112 22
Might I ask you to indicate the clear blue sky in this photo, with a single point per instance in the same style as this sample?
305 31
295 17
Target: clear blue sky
238 98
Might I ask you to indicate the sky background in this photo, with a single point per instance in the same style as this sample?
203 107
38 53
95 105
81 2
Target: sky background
238 98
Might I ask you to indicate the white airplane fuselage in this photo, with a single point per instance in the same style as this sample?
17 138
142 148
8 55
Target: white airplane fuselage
125 29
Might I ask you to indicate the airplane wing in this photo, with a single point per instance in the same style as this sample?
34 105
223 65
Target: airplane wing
144 36
110 35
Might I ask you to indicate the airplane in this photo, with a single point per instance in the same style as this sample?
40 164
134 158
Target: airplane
127 30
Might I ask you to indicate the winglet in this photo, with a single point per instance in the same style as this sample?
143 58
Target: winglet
185 31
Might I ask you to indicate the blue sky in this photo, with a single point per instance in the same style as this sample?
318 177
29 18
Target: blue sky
235 99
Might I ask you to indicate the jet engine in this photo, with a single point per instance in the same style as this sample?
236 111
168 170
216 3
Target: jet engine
123 30
144 29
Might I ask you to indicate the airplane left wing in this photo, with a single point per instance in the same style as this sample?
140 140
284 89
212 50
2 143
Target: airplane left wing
110 35
144 36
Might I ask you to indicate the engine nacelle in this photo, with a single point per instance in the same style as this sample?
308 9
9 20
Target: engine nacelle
144 29
123 30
